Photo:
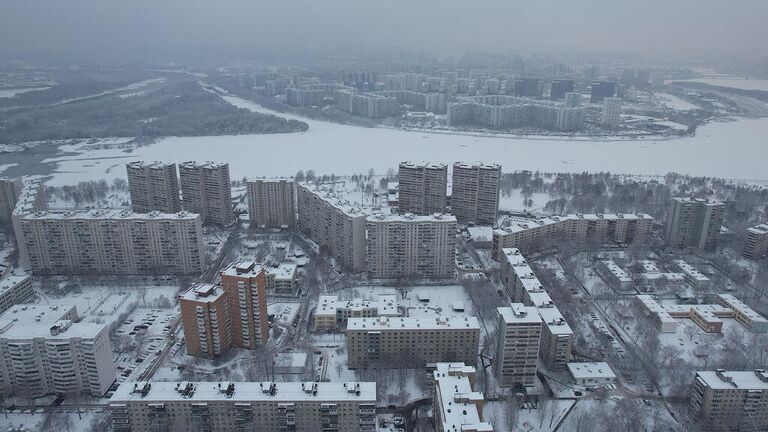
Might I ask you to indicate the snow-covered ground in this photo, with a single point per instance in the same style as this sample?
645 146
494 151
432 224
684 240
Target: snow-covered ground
674 102
11 92
737 83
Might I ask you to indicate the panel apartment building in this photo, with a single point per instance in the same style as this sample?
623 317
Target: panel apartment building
206 189
756 246
695 223
30 199
153 186
43 350
411 246
332 313
422 188
14 289
385 341
112 242
455 403
475 193
730 400
332 223
518 332
233 315
244 406
9 192
271 203
532 235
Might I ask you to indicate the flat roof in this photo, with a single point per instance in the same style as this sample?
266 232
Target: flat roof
423 164
517 313
204 165
759 229
108 214
740 306
480 233
386 305
616 270
741 380
11 281
516 224
411 218
159 391
202 292
690 271
333 199
243 269
25 321
457 400
150 165
591 370
555 321
411 323
284 271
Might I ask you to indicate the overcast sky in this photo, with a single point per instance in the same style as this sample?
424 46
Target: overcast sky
134 28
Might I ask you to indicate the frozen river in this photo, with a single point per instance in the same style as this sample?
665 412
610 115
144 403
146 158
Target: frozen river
734 149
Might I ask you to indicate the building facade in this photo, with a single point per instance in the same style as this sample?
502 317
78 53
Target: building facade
695 223
475 193
113 242
153 186
245 284
244 406
455 403
14 290
611 115
422 188
332 223
272 203
518 334
206 190
332 313
756 246
411 246
390 342
9 192
45 351
730 400
207 320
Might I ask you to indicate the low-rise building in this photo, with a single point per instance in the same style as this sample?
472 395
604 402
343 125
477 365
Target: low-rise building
283 279
693 276
393 342
730 400
756 246
332 313
455 403
663 320
591 374
745 315
615 276
244 406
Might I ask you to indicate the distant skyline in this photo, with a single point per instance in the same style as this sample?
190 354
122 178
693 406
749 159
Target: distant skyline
108 30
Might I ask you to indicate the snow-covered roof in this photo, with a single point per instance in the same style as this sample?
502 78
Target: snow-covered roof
204 165
760 229
591 370
150 165
517 313
11 282
50 322
734 380
410 323
616 270
243 269
157 391
202 292
555 321
480 233
424 164
739 306
516 224
410 218
690 271
333 199
329 305
112 214
456 399
284 271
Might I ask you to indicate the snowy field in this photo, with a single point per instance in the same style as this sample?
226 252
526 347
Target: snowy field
11 92
674 102
743 84
330 148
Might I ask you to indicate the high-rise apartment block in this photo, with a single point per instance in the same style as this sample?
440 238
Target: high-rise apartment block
457 406
475 193
44 350
611 111
369 105
509 112
272 203
518 334
246 286
154 187
112 242
422 188
332 223
601 90
694 222
206 190
14 289
244 406
206 319
31 199
756 246
388 341
524 287
411 246
730 400
9 192
572 100
559 88
531 235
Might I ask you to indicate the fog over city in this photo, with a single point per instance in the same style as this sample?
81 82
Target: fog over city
383 216
101 30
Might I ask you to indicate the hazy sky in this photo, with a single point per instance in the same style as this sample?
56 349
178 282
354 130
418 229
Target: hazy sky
135 28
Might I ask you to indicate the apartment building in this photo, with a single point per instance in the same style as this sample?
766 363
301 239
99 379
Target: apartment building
455 403
332 223
730 400
272 203
695 223
283 279
532 235
508 112
244 406
524 287
745 315
332 313
692 275
206 190
518 336
756 246
369 105
112 242
422 188
45 351
153 186
31 199
411 246
475 193
615 276
207 320
611 115
9 192
246 286
14 290
390 342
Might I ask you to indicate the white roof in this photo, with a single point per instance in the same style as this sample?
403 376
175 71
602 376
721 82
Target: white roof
243 269
739 306
411 218
11 282
248 391
410 323
555 321
35 321
616 271
109 214
284 271
591 370
480 233
741 380
333 199
386 305
517 224
457 400
517 313
150 165
690 271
